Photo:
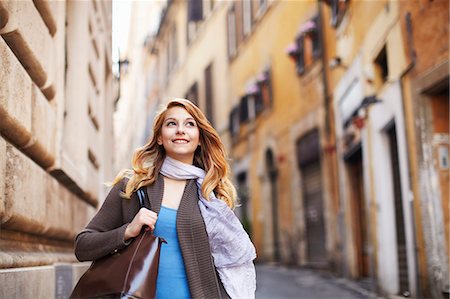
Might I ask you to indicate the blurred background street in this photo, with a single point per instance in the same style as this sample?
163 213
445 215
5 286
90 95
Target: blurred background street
289 283
334 115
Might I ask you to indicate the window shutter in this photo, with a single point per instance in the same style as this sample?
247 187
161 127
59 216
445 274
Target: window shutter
243 111
316 36
231 25
234 121
301 58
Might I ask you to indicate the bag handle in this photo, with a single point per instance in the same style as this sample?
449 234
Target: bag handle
141 195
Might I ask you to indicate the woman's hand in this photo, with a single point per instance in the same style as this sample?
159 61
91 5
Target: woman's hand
143 217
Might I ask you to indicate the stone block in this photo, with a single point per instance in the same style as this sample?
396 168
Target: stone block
16 101
58 210
24 193
35 202
2 176
33 282
94 139
92 180
17 257
34 51
43 121
48 11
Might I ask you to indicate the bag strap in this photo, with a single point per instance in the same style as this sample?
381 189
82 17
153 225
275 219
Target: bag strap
141 195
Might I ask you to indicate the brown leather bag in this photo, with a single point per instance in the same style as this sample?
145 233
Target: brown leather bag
128 273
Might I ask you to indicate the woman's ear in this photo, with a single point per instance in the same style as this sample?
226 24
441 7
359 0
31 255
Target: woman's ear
158 140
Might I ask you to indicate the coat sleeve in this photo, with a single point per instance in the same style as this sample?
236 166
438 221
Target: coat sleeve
105 232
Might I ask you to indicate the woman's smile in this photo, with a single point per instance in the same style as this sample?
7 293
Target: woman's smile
180 141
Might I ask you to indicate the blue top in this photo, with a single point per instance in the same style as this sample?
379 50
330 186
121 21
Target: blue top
172 280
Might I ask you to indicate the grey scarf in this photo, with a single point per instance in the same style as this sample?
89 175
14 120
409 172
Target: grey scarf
231 248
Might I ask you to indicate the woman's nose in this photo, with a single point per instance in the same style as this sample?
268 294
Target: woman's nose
180 129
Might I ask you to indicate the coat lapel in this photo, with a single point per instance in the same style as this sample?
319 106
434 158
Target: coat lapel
155 193
195 246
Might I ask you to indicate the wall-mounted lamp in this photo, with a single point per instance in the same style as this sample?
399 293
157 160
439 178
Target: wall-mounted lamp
360 114
123 66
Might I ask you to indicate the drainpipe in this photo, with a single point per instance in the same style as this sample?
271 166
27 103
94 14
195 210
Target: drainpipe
413 57
331 142
324 73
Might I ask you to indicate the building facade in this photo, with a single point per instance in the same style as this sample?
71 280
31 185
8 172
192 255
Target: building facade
57 97
372 147
282 141
335 116
426 96
394 236
201 55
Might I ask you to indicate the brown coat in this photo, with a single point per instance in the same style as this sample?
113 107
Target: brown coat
105 234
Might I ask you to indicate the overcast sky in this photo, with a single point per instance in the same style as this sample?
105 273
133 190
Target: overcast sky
120 27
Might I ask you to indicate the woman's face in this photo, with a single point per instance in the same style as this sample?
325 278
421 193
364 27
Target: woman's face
179 135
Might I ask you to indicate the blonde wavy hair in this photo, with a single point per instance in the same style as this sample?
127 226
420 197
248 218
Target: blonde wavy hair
210 156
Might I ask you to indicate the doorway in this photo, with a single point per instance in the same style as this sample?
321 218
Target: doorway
308 157
402 261
354 166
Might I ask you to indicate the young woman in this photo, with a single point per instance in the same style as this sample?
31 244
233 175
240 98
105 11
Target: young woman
191 198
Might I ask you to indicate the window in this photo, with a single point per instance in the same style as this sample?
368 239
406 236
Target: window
259 103
315 37
262 5
209 94
381 64
234 121
247 17
208 6
264 98
300 63
173 49
238 8
312 45
251 104
258 8
194 16
167 64
243 110
195 10
192 94
338 9
231 32
307 47
191 30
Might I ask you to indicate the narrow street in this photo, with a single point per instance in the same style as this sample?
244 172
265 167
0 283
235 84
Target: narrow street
300 283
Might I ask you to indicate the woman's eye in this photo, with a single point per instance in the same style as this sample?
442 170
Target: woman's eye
171 123
191 124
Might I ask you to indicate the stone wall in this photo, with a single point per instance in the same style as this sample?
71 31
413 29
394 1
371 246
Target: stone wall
56 105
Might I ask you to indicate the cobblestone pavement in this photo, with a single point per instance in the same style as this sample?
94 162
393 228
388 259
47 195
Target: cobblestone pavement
279 282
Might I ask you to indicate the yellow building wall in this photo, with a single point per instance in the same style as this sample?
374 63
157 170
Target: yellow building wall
297 102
